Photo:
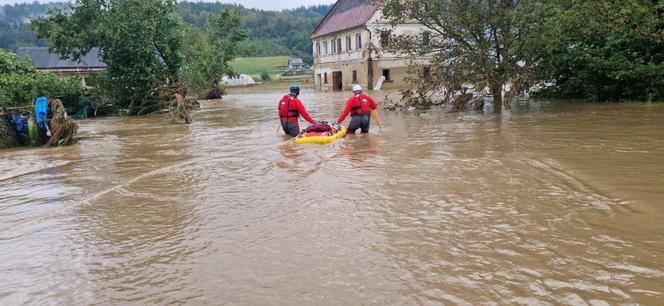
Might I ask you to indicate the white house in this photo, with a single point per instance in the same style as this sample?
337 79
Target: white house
295 63
349 48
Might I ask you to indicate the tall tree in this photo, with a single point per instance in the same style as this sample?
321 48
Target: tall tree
139 41
483 44
225 32
208 54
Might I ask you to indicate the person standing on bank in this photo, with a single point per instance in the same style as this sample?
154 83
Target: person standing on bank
290 110
359 106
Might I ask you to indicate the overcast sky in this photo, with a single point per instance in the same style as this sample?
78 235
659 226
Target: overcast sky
259 4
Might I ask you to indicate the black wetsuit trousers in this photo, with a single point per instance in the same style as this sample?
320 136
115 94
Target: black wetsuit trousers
359 122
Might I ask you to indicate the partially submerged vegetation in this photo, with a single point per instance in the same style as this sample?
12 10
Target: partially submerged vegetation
139 41
594 50
149 67
20 84
143 46
19 126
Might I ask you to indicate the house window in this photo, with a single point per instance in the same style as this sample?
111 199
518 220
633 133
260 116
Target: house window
386 74
318 48
426 38
358 41
334 47
348 42
325 77
354 76
339 45
325 47
385 39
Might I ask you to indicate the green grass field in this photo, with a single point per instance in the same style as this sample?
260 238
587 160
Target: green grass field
255 65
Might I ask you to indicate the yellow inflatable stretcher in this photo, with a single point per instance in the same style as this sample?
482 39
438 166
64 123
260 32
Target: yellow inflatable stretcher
322 137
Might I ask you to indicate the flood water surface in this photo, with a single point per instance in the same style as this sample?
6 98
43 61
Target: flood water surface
551 203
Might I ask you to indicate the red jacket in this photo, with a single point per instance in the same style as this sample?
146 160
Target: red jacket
358 105
290 108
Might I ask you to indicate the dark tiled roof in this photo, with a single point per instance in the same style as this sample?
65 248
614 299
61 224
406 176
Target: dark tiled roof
346 14
42 59
295 61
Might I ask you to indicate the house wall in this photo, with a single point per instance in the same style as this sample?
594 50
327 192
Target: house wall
346 61
85 75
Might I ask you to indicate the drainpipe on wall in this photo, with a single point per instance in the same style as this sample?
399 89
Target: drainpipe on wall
369 63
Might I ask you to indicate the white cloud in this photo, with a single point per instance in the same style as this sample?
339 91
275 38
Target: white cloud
259 4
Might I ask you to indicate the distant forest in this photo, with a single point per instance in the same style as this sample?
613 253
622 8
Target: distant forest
286 32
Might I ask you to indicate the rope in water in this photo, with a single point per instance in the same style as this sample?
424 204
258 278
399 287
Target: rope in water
90 199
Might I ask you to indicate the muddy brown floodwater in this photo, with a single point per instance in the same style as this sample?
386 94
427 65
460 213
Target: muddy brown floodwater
552 203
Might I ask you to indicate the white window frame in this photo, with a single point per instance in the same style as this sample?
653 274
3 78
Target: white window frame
358 41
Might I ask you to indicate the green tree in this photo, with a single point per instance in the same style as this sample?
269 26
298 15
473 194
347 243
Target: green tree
612 50
208 54
225 32
139 41
475 45
197 57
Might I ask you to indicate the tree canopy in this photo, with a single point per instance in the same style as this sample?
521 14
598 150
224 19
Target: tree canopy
611 50
139 40
480 44
209 52
596 50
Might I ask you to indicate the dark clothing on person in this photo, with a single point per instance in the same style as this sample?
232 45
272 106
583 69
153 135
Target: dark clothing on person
290 109
359 107
359 122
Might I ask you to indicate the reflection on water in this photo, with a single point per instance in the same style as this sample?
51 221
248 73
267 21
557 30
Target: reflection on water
552 203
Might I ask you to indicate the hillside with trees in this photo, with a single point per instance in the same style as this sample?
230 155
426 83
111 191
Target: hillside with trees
269 33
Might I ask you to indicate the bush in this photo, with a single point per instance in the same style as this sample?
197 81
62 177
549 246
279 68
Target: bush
265 76
20 84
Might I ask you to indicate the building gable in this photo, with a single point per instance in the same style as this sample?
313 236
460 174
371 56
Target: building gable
346 14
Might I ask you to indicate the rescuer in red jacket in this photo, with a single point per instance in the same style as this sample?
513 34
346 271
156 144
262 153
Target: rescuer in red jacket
290 109
359 106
